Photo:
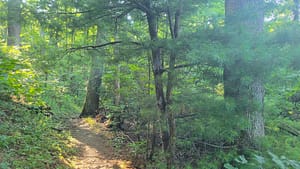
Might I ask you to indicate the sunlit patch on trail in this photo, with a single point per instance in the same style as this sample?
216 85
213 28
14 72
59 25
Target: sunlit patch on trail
95 149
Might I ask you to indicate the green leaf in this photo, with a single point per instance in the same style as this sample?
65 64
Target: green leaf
241 159
294 164
277 160
229 166
4 165
260 159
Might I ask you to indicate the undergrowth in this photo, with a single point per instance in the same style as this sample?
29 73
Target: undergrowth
28 140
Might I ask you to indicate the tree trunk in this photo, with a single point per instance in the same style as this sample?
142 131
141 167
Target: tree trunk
245 16
117 87
117 83
157 64
157 69
256 119
170 113
296 10
14 22
174 29
92 97
166 120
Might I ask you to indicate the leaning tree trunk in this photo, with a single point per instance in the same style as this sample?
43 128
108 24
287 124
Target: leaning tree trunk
245 16
92 97
14 22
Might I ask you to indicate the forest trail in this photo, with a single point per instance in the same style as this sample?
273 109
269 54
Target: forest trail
96 150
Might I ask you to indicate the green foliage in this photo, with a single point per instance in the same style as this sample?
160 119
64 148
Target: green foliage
45 71
210 111
138 148
17 77
215 160
27 139
270 160
7 66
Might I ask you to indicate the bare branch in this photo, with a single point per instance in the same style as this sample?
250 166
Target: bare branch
125 12
140 6
92 47
64 13
186 115
293 131
216 146
73 13
211 144
183 66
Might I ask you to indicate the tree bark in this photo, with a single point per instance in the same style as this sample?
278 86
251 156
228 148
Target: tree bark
157 63
157 69
245 16
256 119
14 22
117 83
174 29
92 97
167 119
296 10
117 87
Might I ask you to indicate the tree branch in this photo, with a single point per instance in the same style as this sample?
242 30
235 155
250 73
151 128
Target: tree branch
64 13
293 131
186 115
182 66
92 47
140 6
216 146
210 144
72 13
125 12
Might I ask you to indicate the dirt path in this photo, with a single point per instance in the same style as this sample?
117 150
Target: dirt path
96 150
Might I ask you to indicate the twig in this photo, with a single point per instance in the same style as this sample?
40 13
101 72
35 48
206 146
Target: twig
127 137
57 129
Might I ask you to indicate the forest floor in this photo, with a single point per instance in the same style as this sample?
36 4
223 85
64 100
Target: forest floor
96 150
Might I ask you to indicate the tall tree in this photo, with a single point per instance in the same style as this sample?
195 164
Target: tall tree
296 10
92 97
172 10
174 26
244 19
157 68
14 22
